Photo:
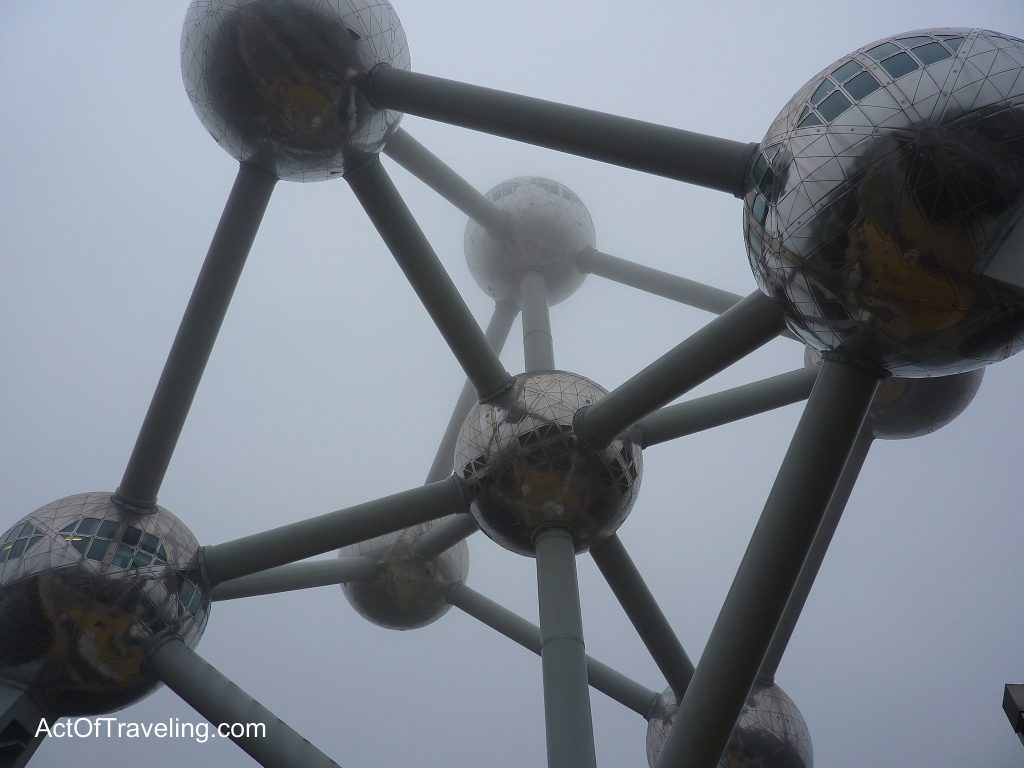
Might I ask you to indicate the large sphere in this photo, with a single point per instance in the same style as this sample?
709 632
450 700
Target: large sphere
904 408
84 586
770 732
407 591
880 206
272 80
527 470
549 227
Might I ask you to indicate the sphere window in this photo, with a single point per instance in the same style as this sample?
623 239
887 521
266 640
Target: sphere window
848 70
823 90
932 52
952 42
862 85
910 42
834 106
899 65
879 52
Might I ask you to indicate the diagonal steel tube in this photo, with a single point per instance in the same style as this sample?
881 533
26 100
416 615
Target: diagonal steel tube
306 538
816 556
496 335
220 701
724 407
444 535
643 611
538 346
751 323
568 723
403 237
770 568
194 340
603 678
428 168
286 578
695 158
655 281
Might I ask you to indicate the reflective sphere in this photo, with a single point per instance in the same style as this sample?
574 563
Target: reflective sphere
407 591
880 207
526 469
770 732
905 408
272 80
550 225
84 586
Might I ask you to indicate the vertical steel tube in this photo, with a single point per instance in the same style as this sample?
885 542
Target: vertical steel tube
403 237
643 611
568 723
538 348
777 550
196 335
496 335
220 701
428 168
751 323
816 556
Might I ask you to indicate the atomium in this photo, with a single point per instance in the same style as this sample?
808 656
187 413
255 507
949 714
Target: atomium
85 586
527 470
880 207
105 599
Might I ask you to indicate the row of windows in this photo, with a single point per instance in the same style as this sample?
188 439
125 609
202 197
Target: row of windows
850 82
19 541
93 538
508 188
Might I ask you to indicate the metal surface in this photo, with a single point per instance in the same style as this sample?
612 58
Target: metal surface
84 586
683 155
770 732
428 168
285 578
643 611
731 336
316 535
525 467
724 407
872 212
403 237
567 719
538 346
549 226
220 701
770 567
407 591
196 335
272 80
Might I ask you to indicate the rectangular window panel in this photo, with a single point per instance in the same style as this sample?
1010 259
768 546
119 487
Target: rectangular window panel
899 65
18 548
131 536
929 54
811 119
149 543
834 106
760 209
5 550
822 91
98 549
848 70
80 543
141 560
953 42
88 525
122 557
108 528
879 52
910 42
861 85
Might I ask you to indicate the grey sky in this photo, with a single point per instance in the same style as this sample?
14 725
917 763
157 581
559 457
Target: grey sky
329 386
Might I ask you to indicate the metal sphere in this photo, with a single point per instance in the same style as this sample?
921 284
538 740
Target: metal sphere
407 591
549 227
272 80
881 206
84 586
904 408
770 732
527 470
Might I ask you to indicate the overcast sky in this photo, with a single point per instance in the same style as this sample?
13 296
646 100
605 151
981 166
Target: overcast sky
329 386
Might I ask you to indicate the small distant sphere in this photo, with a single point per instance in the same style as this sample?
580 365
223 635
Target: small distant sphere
527 470
272 80
84 586
549 227
905 408
770 732
408 591
880 207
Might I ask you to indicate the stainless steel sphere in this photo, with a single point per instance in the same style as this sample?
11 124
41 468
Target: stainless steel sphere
880 206
905 408
549 226
272 80
84 586
527 470
770 732
407 591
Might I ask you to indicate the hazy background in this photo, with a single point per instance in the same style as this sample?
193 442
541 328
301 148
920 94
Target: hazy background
329 386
